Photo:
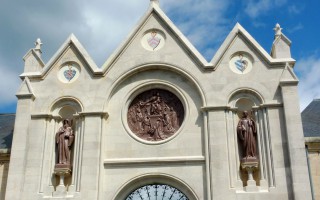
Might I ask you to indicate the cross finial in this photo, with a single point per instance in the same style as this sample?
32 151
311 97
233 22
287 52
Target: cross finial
277 30
155 2
38 44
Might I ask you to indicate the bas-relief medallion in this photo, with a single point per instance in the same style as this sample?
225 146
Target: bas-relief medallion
240 63
153 40
155 115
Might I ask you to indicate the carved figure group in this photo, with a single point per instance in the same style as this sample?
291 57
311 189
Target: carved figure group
64 140
155 115
247 133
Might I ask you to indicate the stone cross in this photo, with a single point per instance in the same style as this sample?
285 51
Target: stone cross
277 30
38 44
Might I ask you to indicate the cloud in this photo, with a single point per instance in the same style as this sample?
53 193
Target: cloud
256 8
209 18
9 84
308 70
295 28
293 9
99 26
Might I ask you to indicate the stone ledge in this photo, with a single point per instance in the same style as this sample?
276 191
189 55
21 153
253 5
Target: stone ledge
312 139
159 160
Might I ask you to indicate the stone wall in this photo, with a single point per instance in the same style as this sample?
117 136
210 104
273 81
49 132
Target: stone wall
313 147
4 166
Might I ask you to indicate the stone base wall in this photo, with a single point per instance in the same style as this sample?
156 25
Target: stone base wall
4 167
314 166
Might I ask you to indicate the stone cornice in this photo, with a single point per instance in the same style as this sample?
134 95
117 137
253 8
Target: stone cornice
154 160
221 108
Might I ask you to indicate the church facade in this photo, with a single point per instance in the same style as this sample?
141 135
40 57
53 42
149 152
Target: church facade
158 120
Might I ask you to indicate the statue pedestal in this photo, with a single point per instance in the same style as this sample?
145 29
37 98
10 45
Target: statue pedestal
250 165
62 171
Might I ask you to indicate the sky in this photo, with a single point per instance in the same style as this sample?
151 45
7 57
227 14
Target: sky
102 25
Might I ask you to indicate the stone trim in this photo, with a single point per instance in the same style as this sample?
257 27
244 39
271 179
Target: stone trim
221 108
155 160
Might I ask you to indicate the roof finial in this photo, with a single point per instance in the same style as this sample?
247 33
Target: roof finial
37 47
155 2
38 44
277 30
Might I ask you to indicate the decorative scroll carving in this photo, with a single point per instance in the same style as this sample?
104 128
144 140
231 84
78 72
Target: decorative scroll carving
155 115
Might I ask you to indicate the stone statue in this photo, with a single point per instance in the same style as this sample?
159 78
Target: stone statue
64 141
247 132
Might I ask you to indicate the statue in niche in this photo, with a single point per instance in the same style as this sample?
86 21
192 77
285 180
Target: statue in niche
155 115
247 133
64 140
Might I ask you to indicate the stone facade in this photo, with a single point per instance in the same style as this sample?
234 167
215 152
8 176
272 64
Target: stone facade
311 128
4 168
200 158
313 148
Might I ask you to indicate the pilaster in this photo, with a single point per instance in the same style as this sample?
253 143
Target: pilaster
17 167
296 149
91 161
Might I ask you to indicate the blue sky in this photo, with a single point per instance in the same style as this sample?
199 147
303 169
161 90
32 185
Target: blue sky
102 25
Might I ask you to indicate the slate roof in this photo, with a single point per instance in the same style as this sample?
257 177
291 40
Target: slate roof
6 130
311 119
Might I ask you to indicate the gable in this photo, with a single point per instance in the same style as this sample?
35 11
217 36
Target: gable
176 42
239 31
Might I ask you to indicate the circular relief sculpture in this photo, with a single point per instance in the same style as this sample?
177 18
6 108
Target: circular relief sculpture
157 191
155 115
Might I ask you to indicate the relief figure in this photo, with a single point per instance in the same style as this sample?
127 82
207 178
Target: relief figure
155 115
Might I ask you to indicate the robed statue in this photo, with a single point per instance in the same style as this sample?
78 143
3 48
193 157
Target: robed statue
247 132
64 140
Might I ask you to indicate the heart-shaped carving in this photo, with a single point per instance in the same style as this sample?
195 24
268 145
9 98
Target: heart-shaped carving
69 73
154 41
241 64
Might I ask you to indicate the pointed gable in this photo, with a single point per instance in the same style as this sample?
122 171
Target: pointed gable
155 18
32 62
239 31
71 42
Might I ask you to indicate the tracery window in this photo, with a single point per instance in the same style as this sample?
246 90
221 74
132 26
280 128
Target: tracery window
157 191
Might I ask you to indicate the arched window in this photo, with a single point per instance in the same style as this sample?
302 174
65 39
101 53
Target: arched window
157 191
155 187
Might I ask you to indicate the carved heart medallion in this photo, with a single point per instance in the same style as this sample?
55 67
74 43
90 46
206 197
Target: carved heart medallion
241 64
154 41
69 73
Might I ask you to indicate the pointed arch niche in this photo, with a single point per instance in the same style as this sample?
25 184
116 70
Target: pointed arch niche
63 108
251 101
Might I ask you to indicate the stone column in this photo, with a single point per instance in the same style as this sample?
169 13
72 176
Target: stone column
298 162
219 159
91 161
19 149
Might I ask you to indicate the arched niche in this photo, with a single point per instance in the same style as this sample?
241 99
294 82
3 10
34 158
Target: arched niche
155 179
241 100
62 109
245 99
66 108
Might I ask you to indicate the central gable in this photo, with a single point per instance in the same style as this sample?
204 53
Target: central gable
155 40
